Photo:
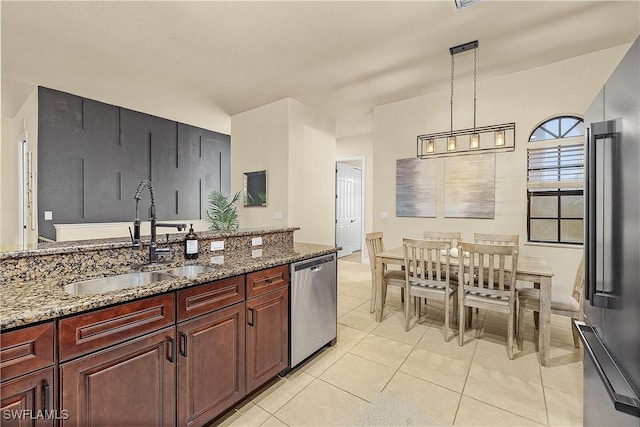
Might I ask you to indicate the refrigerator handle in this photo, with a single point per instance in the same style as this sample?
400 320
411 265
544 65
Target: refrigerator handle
600 138
622 395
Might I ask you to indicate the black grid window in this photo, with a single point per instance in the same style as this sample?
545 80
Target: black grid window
555 178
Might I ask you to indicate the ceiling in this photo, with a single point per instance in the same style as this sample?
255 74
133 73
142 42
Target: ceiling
220 58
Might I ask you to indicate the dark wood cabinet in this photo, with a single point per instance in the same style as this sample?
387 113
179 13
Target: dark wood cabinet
27 389
270 279
26 350
267 337
29 400
130 384
211 364
84 333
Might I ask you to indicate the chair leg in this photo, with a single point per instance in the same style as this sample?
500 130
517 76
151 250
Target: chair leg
407 312
469 316
373 296
461 322
510 329
418 307
455 310
401 294
521 328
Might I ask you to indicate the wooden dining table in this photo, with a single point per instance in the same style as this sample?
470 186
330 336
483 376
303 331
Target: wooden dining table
531 269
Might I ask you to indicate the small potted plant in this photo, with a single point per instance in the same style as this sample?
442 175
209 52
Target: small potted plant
221 212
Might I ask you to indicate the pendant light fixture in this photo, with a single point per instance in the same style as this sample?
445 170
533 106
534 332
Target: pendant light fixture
446 143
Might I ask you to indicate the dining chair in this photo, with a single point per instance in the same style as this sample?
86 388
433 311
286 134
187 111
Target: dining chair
496 239
454 238
390 278
498 263
427 276
563 305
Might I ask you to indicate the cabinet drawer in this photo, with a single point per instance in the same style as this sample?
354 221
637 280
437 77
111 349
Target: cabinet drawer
264 281
209 297
26 350
88 332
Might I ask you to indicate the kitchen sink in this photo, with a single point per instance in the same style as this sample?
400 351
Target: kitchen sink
113 283
189 270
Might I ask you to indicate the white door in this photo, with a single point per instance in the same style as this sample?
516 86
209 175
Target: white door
348 208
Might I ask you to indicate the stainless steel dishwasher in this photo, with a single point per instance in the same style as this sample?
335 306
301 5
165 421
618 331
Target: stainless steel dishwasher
314 298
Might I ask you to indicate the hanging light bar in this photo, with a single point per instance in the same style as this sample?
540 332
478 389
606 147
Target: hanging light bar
446 143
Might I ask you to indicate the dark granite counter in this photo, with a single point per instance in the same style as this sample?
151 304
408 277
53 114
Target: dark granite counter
32 301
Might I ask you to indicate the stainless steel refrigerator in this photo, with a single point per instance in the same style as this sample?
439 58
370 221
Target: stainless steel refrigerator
611 330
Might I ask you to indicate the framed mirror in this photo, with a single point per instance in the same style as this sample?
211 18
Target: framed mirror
255 188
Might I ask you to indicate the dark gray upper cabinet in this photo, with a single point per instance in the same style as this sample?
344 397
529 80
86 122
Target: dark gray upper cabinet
92 156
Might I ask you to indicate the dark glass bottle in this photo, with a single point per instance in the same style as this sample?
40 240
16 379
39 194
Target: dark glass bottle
191 244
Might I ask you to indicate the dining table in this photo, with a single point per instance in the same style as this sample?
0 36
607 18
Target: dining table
529 268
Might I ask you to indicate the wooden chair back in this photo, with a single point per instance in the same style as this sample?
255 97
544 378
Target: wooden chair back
496 239
491 268
453 237
374 247
427 262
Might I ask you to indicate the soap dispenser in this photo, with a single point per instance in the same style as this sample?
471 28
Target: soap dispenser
191 244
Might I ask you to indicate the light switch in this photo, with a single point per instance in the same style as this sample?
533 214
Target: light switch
277 215
256 241
384 215
48 215
218 245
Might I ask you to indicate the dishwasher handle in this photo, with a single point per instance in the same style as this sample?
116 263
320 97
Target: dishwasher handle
316 262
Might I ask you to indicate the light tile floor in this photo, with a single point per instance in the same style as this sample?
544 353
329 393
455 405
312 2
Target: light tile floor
378 374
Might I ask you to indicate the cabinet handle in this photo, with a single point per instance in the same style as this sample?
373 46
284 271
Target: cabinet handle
46 391
183 344
268 280
170 349
250 320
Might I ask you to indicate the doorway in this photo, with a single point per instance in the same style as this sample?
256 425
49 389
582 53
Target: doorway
349 205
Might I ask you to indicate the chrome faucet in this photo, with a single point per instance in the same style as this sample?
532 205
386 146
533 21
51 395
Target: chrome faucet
153 247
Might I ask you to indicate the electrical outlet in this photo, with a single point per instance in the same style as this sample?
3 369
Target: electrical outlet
48 215
218 245
277 215
384 215
256 241
217 259
256 253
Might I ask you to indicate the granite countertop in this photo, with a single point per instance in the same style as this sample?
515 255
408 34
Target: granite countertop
23 303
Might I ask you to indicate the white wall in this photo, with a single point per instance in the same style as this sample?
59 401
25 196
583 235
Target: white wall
312 190
296 146
526 98
260 141
25 120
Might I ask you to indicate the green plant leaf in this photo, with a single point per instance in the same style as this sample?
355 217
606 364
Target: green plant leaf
221 212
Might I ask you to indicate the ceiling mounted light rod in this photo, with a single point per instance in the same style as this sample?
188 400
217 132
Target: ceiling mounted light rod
503 134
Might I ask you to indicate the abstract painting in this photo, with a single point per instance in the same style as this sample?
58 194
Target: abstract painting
470 186
416 187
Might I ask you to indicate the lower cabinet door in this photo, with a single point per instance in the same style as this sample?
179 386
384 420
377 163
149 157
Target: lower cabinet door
267 337
29 400
132 384
210 365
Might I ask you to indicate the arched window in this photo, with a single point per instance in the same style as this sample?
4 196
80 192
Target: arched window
555 180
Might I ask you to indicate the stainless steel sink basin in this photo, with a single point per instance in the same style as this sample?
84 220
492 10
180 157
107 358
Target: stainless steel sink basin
112 283
189 270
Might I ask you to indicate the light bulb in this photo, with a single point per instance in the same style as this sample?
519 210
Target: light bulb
451 143
474 140
499 138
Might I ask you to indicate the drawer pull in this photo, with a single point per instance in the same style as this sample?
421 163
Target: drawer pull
46 391
250 320
183 344
170 349
268 280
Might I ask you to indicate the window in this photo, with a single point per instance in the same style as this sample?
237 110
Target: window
555 179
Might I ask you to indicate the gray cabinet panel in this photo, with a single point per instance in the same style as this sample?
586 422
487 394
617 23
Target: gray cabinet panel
92 156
